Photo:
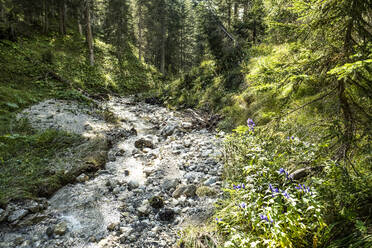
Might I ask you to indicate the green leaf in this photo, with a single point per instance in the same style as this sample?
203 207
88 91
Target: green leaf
12 105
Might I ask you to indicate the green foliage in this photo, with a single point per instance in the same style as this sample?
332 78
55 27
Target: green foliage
28 75
24 161
264 207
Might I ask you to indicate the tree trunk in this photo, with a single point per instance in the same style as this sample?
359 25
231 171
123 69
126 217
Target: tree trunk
80 27
61 17
236 9
140 31
64 7
162 48
89 35
254 32
229 14
245 11
2 12
45 17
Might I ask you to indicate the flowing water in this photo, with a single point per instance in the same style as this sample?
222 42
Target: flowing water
112 209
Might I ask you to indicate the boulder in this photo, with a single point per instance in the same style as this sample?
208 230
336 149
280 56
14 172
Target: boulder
168 130
60 228
143 211
17 215
49 231
210 181
169 184
300 173
166 214
186 190
82 178
156 202
133 185
143 143
3 215
206 191
113 226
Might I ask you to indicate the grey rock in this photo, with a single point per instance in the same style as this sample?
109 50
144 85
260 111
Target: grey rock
60 228
119 153
210 181
166 214
82 178
126 230
116 190
26 244
32 219
169 184
300 173
88 127
17 215
144 143
113 226
133 184
123 238
35 207
18 241
143 211
3 215
187 190
190 191
49 231
156 202
168 130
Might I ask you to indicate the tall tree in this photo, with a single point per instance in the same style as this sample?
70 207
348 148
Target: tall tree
89 35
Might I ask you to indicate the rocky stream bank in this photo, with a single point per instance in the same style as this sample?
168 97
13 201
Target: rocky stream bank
163 173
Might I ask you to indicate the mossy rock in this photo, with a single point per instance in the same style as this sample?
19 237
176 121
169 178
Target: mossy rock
156 202
206 191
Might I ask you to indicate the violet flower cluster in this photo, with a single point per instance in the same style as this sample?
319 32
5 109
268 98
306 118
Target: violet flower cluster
251 124
239 186
303 188
283 171
264 217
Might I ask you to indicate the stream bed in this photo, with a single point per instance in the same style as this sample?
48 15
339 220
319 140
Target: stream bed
161 178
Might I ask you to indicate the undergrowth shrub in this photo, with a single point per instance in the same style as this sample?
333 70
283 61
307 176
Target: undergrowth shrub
265 206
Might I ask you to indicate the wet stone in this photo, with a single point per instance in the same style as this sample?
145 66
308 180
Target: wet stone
133 185
113 226
2 215
82 178
17 215
169 184
144 143
60 228
166 214
49 231
210 181
187 190
156 202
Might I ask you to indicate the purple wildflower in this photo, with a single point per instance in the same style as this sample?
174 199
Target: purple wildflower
281 171
264 217
251 124
303 188
243 205
271 187
286 195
